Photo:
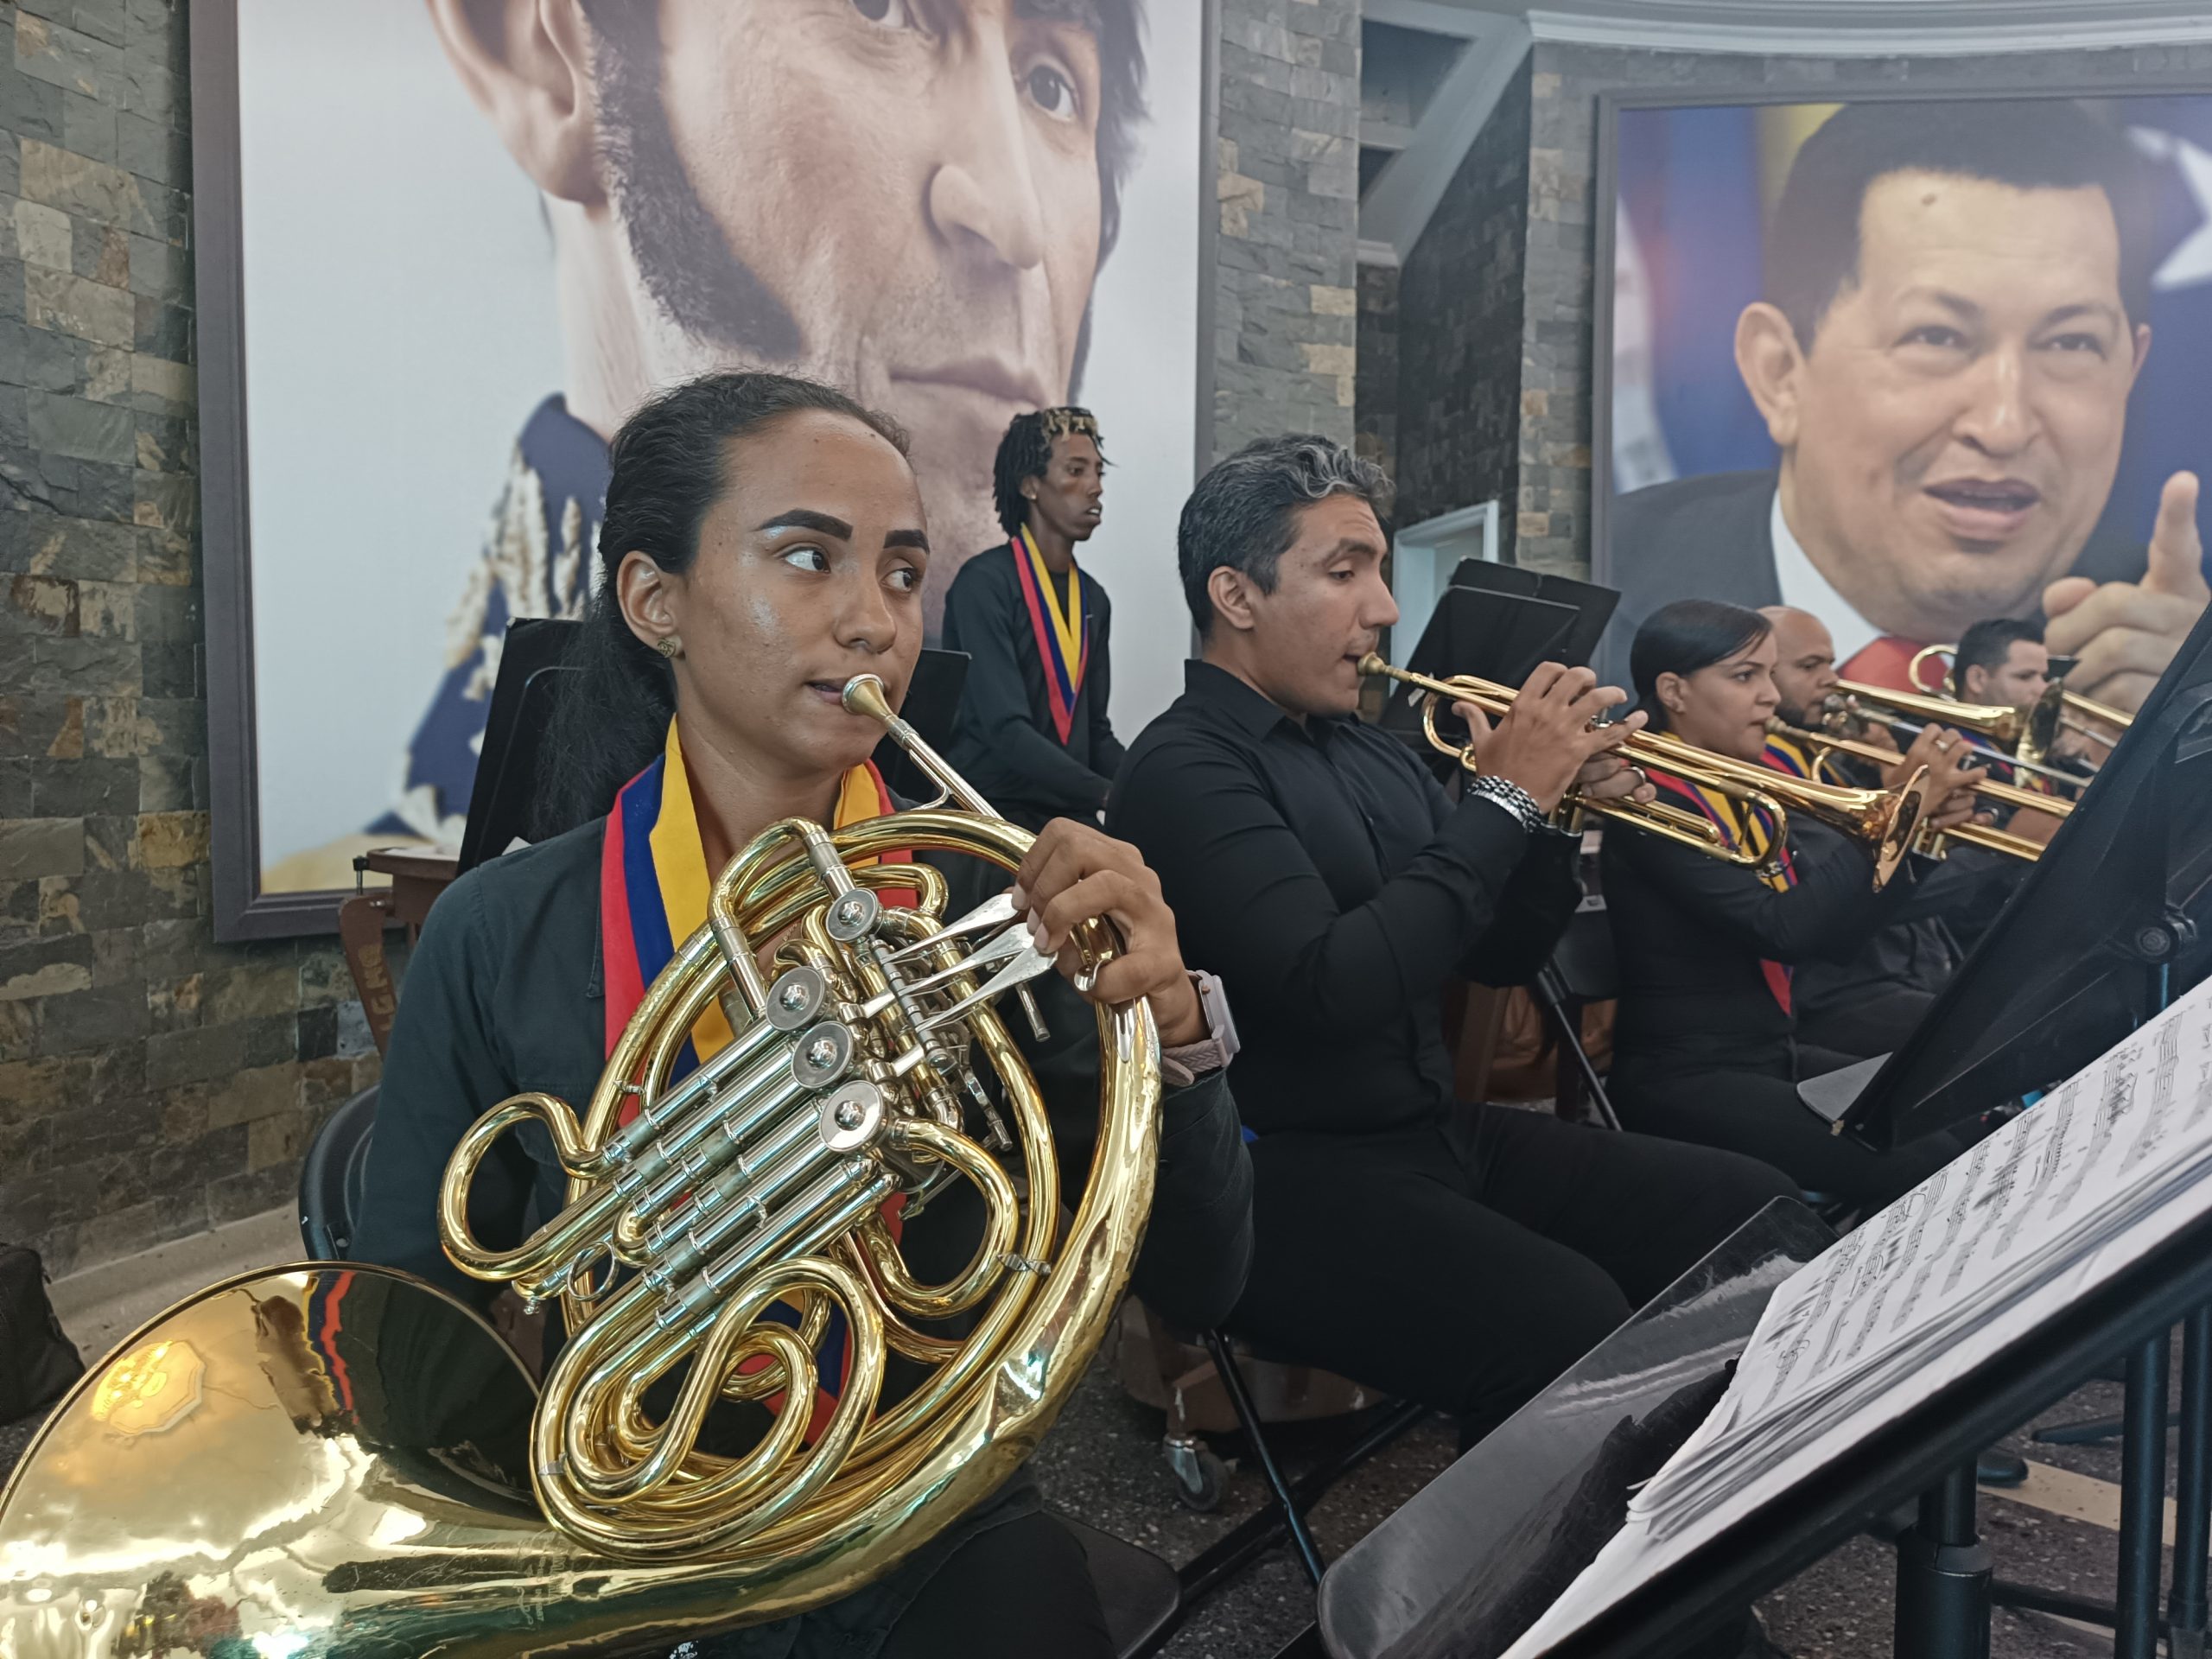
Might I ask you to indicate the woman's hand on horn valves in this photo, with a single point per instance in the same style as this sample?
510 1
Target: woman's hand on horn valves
1075 874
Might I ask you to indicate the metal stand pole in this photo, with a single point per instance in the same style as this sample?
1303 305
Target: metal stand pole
1943 1575
2142 1501
1232 1378
2185 1608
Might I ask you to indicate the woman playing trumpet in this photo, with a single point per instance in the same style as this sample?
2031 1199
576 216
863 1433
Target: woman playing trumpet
1705 1043
764 544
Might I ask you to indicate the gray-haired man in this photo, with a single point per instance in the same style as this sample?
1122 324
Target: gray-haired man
1328 880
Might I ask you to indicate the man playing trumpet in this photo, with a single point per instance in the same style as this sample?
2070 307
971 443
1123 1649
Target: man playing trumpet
1457 1253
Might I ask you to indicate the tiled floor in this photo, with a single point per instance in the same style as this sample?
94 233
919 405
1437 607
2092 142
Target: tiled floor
1101 1463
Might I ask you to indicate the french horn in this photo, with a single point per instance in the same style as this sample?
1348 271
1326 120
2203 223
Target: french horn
338 1459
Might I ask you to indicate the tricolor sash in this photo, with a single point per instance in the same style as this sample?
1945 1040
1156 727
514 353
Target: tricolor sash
653 891
1740 827
654 884
1786 757
1062 640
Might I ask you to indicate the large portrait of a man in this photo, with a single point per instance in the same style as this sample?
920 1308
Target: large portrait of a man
476 233
1909 364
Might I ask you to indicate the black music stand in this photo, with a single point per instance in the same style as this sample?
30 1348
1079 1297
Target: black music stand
2110 918
535 663
1421 1584
1494 635
1593 607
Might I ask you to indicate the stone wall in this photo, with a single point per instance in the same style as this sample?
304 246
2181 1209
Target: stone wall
1461 298
152 1082
1375 391
1561 298
1285 323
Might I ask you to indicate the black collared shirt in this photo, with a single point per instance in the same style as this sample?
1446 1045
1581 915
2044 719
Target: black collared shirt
1320 871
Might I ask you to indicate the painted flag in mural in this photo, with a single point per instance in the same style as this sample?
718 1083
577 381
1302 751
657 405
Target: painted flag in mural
2167 425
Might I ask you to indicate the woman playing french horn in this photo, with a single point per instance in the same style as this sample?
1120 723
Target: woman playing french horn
763 543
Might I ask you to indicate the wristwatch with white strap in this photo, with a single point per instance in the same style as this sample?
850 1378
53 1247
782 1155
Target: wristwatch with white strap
1217 1048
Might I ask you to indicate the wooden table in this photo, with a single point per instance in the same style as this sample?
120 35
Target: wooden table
418 876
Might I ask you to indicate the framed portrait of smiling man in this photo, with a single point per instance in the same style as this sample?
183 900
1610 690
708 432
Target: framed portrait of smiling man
1907 363
445 247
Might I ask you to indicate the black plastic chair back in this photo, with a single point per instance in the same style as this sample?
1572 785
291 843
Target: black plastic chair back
1584 966
331 1178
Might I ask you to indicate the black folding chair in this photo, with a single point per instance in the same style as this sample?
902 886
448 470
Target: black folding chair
1582 970
1284 1516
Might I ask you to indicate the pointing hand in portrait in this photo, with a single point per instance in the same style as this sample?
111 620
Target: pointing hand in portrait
2124 633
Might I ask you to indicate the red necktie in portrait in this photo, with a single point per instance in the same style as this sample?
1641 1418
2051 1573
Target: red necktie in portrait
1884 662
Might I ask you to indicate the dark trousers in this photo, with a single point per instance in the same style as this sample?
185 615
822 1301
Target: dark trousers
1012 1591
1757 1112
1863 1020
1467 1265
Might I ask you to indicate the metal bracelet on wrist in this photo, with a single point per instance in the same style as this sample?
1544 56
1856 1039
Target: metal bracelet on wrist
1514 798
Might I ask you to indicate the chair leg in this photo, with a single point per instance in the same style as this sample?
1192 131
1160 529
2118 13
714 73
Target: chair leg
1240 1398
1566 1019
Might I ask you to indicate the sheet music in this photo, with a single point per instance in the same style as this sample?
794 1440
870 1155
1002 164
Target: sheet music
2099 1173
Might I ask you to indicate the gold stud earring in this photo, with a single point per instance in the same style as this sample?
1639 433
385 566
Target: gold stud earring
669 646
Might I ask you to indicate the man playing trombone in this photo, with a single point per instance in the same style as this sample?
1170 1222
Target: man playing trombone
1457 1254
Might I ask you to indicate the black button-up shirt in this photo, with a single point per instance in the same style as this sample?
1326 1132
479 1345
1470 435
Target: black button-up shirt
1692 933
1321 872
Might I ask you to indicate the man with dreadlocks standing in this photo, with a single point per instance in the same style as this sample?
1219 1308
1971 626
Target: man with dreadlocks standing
1032 733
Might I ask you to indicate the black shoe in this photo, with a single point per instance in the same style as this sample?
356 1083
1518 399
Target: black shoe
2000 1468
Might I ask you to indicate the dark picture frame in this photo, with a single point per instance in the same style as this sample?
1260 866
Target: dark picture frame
242 910
1847 89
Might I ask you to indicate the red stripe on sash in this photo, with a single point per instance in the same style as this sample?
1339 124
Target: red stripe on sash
1775 974
1062 685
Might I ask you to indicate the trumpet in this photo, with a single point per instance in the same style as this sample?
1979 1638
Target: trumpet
1839 712
1882 820
2026 734
2088 708
1932 840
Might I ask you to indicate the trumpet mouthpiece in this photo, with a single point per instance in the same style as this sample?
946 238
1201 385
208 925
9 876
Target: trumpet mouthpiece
863 695
1372 663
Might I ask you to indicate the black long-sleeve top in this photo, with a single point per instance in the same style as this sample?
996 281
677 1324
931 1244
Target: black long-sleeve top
1320 871
1690 932
1923 944
1004 742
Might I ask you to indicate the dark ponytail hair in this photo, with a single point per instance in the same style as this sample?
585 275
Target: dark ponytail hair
1684 637
671 462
